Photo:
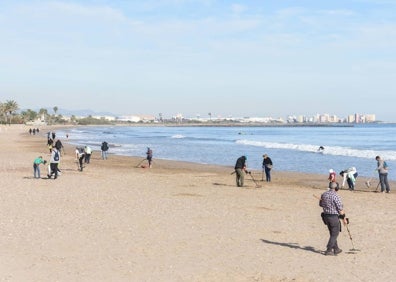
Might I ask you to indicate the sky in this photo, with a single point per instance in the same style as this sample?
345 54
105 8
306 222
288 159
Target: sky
195 57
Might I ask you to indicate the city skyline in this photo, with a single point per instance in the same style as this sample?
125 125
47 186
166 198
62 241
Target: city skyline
199 57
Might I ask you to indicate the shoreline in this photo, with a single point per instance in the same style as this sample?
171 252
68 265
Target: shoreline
190 166
178 222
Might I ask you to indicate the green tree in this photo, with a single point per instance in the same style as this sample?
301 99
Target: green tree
55 109
2 111
9 108
28 115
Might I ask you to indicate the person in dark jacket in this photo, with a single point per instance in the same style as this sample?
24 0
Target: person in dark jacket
240 170
267 166
59 146
149 157
104 148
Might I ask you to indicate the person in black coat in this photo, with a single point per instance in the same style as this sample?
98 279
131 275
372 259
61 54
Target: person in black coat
240 170
267 166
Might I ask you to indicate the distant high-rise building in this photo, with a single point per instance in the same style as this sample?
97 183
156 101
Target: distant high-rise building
370 118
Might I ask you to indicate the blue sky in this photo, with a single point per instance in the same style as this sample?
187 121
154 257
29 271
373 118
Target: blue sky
230 58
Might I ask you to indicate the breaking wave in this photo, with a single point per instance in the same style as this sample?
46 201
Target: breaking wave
329 150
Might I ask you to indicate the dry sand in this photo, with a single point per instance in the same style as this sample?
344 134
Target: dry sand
178 222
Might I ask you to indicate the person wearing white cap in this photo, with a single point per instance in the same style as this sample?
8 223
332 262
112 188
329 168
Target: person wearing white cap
332 176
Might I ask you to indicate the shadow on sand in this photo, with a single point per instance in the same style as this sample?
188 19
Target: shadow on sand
293 246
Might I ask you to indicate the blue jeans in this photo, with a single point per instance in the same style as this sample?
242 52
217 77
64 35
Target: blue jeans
36 170
383 177
104 155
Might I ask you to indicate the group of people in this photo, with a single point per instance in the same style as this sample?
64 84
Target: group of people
241 169
330 201
350 175
332 206
83 156
34 131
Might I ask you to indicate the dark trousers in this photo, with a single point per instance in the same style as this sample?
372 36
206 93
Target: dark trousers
87 158
334 226
267 174
54 169
80 162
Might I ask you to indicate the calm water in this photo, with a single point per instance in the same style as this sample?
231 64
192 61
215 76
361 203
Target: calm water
290 148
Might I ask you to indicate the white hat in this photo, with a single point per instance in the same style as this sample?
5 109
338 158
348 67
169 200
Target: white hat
331 170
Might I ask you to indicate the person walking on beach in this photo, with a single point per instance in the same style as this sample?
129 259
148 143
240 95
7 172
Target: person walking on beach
349 175
36 166
54 162
149 157
240 170
267 166
80 157
50 144
59 146
104 148
87 154
333 210
382 168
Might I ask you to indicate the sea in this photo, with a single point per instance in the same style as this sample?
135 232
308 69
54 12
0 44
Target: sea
291 148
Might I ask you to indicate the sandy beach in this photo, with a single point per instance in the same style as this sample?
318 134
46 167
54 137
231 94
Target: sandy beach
179 222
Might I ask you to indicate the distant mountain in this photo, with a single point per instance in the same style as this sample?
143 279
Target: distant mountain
84 112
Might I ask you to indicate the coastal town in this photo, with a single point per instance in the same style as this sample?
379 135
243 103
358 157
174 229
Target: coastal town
11 113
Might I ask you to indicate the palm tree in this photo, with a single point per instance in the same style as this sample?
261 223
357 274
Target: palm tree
2 110
210 116
9 107
55 109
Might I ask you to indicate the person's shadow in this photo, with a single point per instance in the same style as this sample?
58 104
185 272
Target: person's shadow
293 246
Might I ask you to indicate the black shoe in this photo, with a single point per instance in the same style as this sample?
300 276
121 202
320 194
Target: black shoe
336 252
329 253
49 176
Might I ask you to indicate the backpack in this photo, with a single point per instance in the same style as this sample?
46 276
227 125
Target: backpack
56 156
385 165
